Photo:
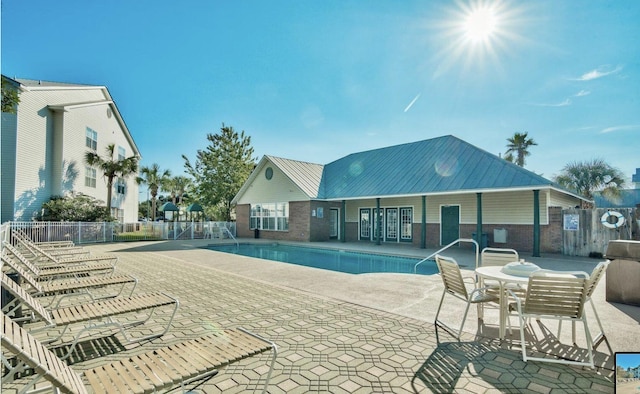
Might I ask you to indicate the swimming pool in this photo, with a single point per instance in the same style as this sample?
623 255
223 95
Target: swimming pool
329 259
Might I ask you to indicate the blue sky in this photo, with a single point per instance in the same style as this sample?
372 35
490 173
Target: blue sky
628 360
317 80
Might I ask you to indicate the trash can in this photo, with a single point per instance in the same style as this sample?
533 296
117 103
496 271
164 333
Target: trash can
623 272
483 242
256 233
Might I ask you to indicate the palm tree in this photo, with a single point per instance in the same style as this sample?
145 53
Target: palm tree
179 186
519 145
155 180
589 176
112 168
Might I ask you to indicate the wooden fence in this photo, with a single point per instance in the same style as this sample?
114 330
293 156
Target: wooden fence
584 233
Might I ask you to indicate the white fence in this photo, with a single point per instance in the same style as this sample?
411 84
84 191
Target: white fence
98 232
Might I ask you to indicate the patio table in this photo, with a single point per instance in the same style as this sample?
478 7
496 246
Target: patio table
495 273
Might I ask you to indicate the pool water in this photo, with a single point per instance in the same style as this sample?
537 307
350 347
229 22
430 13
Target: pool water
330 259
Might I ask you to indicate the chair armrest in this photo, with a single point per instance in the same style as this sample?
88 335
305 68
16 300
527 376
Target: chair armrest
518 300
578 274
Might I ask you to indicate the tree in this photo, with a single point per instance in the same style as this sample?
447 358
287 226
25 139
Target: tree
10 96
519 145
589 176
178 186
221 169
112 168
75 207
155 179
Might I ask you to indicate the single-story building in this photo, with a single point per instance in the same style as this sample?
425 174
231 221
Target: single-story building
428 193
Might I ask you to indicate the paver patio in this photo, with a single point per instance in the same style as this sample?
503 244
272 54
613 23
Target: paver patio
327 344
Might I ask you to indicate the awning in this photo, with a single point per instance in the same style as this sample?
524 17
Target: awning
168 207
195 207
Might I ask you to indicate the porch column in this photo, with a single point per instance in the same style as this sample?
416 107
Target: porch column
479 220
423 226
378 224
343 221
536 223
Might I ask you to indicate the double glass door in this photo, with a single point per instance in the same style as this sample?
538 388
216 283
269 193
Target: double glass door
396 224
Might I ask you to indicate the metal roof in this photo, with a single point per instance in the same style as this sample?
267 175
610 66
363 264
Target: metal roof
440 165
628 198
306 175
40 83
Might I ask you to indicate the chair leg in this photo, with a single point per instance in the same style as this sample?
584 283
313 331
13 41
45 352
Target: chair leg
464 318
523 344
440 306
601 336
589 339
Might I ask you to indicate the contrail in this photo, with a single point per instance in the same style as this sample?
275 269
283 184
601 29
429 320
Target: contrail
412 102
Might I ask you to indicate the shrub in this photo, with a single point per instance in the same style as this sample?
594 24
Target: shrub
75 207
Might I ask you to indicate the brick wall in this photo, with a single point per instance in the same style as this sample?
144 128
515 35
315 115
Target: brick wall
519 237
304 227
242 221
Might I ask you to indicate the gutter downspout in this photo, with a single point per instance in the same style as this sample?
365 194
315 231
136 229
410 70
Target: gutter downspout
423 228
536 223
343 219
479 219
378 224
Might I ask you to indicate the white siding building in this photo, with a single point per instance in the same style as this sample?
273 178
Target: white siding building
44 143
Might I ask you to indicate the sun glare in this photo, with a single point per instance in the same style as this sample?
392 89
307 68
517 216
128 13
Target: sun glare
475 35
480 24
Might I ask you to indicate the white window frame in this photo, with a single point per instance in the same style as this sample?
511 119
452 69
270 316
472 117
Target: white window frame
272 216
118 214
91 141
122 153
121 186
90 177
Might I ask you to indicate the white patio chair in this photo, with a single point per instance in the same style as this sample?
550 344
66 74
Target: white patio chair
554 295
454 285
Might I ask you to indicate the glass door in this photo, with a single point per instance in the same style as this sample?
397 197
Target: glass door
365 223
391 222
334 222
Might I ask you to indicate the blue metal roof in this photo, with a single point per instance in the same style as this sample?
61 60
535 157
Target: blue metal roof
628 198
439 165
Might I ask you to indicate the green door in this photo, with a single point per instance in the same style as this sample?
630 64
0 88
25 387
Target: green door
449 224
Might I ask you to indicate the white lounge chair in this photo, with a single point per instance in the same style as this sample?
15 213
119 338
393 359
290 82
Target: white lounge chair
94 316
154 371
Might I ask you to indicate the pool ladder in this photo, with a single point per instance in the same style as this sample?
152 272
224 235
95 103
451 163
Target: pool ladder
231 236
457 241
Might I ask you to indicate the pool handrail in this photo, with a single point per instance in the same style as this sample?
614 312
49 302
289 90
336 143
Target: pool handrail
224 228
415 267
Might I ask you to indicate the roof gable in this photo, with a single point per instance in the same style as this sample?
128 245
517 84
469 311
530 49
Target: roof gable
439 165
305 175
39 85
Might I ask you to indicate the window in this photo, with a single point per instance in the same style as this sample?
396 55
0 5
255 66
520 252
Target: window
270 216
118 214
120 186
90 177
92 139
121 153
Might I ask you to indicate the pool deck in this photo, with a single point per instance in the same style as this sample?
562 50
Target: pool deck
344 333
